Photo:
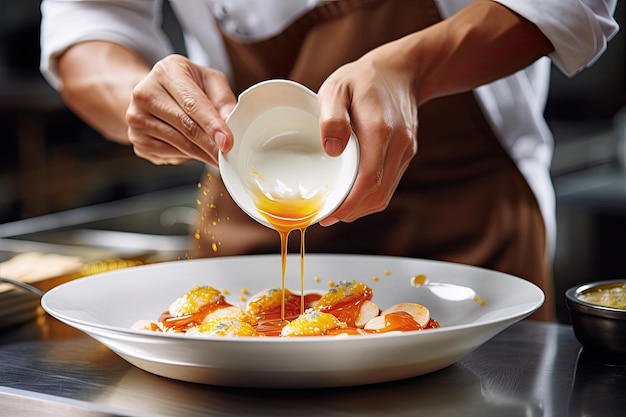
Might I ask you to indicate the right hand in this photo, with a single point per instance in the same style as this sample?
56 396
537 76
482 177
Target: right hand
178 112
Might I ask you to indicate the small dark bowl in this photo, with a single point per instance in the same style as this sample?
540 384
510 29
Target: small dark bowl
598 328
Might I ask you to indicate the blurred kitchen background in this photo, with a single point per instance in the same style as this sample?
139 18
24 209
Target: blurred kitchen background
64 187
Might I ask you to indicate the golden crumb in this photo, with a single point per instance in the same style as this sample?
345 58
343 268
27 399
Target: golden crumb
312 323
224 326
195 299
264 301
344 291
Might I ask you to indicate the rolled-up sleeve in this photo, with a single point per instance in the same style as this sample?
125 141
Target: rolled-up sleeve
135 24
578 29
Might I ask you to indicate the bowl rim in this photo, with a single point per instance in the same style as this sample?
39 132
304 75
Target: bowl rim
231 177
575 303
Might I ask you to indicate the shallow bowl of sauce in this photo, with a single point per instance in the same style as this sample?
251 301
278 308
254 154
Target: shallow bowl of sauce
598 315
277 170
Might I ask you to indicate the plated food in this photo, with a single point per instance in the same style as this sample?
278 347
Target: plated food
345 309
106 305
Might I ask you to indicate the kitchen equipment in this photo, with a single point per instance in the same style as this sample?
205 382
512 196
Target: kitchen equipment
277 153
105 306
599 328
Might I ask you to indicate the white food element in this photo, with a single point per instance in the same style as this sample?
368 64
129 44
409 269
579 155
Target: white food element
375 323
229 311
368 311
419 313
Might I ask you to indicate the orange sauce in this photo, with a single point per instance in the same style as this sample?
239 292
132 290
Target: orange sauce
292 307
286 215
182 323
269 323
348 309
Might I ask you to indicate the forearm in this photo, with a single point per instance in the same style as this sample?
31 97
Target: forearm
97 82
482 43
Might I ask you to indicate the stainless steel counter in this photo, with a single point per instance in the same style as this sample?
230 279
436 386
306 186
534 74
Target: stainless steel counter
531 369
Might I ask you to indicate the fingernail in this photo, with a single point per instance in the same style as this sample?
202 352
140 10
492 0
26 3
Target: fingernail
333 146
220 140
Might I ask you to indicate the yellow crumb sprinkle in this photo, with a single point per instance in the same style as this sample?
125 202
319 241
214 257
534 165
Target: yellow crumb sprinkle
345 290
194 299
226 326
375 278
312 323
317 279
225 291
331 283
245 291
387 272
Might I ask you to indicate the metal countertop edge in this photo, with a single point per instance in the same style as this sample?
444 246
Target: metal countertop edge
11 403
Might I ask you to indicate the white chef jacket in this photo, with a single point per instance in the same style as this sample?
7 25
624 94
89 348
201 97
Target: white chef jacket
578 29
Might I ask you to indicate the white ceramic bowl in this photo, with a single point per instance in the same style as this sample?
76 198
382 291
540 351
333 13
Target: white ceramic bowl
278 150
471 304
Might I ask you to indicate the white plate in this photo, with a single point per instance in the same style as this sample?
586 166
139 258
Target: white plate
471 304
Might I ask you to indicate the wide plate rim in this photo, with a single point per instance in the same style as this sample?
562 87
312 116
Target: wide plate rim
316 339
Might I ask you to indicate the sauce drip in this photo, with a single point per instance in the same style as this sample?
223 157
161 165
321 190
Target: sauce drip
287 214
347 307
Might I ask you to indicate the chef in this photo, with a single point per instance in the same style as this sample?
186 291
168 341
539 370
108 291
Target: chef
446 98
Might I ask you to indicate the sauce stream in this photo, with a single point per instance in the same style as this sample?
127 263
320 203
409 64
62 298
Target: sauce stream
286 215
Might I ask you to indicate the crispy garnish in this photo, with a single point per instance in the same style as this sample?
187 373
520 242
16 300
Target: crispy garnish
312 323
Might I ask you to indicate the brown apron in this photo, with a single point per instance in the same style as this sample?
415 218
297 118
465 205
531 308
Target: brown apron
462 199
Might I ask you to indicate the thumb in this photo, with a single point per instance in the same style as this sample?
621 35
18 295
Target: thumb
334 125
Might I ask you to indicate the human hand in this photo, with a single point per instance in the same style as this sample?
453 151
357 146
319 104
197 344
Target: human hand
178 111
375 98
